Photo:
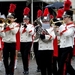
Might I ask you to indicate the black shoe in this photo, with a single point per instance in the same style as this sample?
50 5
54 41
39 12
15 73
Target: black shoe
26 72
68 74
38 70
11 74
7 74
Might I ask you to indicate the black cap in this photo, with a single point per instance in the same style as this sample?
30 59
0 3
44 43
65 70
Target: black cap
68 13
57 21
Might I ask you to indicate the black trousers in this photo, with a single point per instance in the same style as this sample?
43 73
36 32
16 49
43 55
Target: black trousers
45 59
35 49
9 53
25 51
55 65
65 55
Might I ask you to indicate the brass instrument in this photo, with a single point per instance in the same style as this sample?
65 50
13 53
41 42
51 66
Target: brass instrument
39 29
56 23
61 21
5 22
36 22
8 21
2 22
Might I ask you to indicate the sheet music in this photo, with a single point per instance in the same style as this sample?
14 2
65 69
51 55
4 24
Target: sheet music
45 26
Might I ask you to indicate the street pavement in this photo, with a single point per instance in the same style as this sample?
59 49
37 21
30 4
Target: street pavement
19 70
32 67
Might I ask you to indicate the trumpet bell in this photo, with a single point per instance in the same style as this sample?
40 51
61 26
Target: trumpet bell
2 22
8 21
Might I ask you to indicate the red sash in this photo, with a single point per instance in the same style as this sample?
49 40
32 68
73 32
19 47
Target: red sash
55 44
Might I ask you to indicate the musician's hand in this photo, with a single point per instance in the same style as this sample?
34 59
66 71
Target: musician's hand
42 36
36 28
35 23
58 24
1 28
25 25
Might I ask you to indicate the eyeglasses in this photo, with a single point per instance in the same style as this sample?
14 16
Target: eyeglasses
65 17
10 17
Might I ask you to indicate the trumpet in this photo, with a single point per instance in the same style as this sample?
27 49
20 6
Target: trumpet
61 21
2 22
56 22
8 21
5 22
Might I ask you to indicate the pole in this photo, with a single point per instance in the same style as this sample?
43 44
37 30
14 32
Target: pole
42 6
31 11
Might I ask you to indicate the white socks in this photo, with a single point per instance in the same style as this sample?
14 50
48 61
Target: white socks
15 66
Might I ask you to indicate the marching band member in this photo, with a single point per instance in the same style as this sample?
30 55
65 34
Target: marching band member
56 45
26 39
66 32
35 43
2 18
9 40
67 5
55 51
0 52
45 48
69 21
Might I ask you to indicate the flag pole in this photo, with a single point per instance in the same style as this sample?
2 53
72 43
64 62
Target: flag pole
31 11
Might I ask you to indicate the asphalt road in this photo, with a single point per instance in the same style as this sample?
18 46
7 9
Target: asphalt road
32 67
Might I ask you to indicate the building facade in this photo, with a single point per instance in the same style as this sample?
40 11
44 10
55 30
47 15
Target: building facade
34 5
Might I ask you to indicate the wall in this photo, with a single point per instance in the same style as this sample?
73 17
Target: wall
11 0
